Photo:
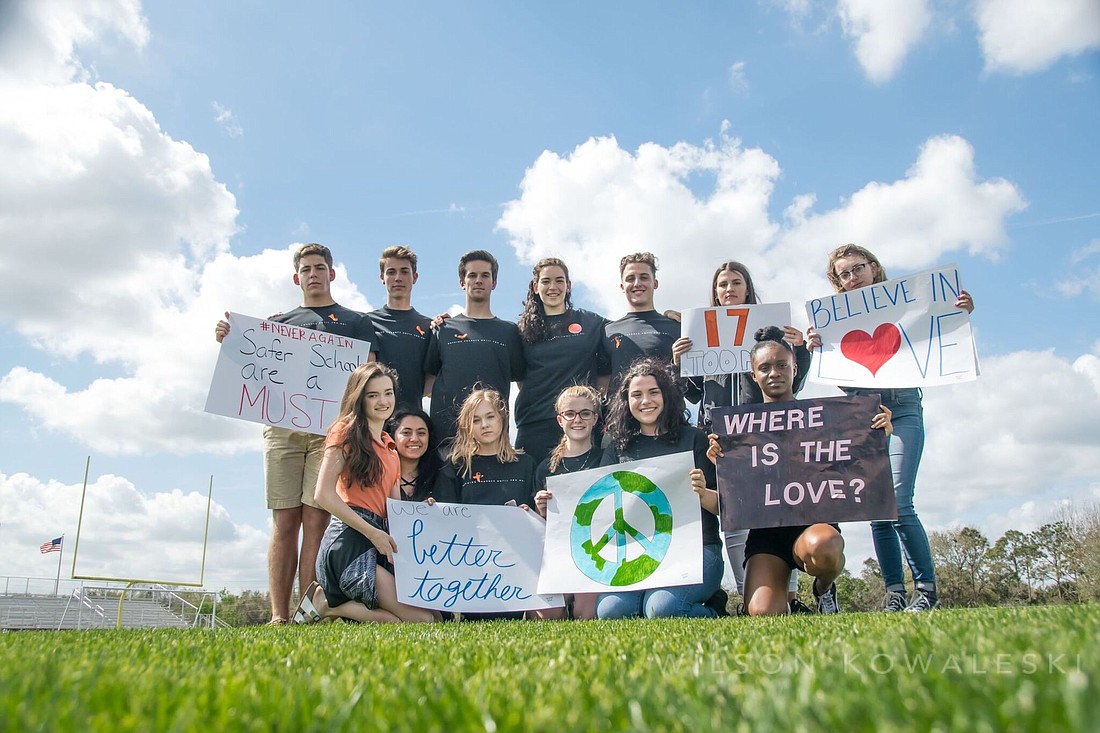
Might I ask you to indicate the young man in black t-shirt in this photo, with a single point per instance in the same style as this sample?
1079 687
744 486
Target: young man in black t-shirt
475 347
292 459
642 331
403 332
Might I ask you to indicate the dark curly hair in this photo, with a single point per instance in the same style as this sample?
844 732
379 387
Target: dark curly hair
623 426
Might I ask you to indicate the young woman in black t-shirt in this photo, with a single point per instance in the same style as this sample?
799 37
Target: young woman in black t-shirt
578 410
647 419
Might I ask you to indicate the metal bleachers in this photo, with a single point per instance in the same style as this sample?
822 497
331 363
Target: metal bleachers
98 608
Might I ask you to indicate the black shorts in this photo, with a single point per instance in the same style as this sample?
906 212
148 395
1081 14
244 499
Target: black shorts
777 541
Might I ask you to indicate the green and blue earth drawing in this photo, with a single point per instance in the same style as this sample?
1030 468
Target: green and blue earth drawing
586 549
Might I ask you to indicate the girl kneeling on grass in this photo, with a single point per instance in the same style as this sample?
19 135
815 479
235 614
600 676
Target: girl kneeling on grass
577 409
647 419
359 471
772 553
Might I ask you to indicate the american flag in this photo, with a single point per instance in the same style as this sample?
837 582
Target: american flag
53 545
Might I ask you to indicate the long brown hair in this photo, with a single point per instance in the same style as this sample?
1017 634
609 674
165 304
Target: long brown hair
847 250
582 391
465 444
532 321
751 297
362 463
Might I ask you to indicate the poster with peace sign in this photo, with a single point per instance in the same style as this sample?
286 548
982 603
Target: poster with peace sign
630 526
904 332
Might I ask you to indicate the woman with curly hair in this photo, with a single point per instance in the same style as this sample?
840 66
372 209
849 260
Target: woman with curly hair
562 347
648 419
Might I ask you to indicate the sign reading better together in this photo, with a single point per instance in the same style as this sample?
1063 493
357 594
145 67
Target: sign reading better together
282 375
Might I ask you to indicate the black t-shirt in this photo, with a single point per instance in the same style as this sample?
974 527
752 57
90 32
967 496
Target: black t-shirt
573 354
466 351
403 337
691 439
493 483
333 318
647 333
583 462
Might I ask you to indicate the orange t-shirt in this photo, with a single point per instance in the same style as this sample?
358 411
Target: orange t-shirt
372 498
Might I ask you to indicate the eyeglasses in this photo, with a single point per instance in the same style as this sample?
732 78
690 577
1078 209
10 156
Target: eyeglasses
856 271
571 415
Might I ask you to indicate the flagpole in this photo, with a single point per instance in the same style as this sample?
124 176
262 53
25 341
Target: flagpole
60 553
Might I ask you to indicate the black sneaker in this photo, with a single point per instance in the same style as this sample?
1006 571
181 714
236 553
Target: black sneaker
923 600
797 606
827 602
894 601
718 603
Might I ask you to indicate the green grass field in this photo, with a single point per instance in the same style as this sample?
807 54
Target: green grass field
1025 669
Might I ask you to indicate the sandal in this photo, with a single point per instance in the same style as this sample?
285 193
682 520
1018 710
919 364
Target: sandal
306 613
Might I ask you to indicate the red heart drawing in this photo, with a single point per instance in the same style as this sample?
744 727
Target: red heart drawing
871 351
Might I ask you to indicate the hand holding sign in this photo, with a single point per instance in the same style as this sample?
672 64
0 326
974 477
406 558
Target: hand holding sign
912 331
281 375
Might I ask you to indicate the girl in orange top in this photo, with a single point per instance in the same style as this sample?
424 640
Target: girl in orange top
359 471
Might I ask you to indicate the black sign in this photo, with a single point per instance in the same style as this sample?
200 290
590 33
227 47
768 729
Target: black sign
787 464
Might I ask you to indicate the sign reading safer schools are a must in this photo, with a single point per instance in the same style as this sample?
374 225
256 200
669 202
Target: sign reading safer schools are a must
282 375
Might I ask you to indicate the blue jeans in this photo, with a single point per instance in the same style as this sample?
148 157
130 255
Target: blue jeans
906 446
677 601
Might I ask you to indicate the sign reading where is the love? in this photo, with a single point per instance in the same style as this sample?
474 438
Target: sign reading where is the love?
904 332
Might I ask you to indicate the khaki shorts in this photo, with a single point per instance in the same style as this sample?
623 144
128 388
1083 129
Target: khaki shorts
292 461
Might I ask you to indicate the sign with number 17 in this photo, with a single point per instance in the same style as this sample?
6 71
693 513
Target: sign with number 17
722 337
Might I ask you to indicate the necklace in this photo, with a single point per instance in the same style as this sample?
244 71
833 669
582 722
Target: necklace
410 484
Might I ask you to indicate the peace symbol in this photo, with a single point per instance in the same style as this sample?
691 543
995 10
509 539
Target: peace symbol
586 545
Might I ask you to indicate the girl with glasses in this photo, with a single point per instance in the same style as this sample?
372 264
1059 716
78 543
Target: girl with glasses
578 410
849 268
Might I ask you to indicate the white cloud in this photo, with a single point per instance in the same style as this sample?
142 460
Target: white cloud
738 80
601 202
1020 36
1085 277
225 117
975 458
126 533
39 38
128 231
884 32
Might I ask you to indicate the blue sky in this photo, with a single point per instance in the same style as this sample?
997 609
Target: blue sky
162 159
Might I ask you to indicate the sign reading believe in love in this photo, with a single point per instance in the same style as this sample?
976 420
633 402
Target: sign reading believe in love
904 332
282 375
468 558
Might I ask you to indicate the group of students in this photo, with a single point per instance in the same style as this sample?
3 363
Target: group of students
592 392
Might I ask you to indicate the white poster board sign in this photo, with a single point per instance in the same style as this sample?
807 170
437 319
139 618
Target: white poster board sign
904 332
282 375
631 526
467 557
721 337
